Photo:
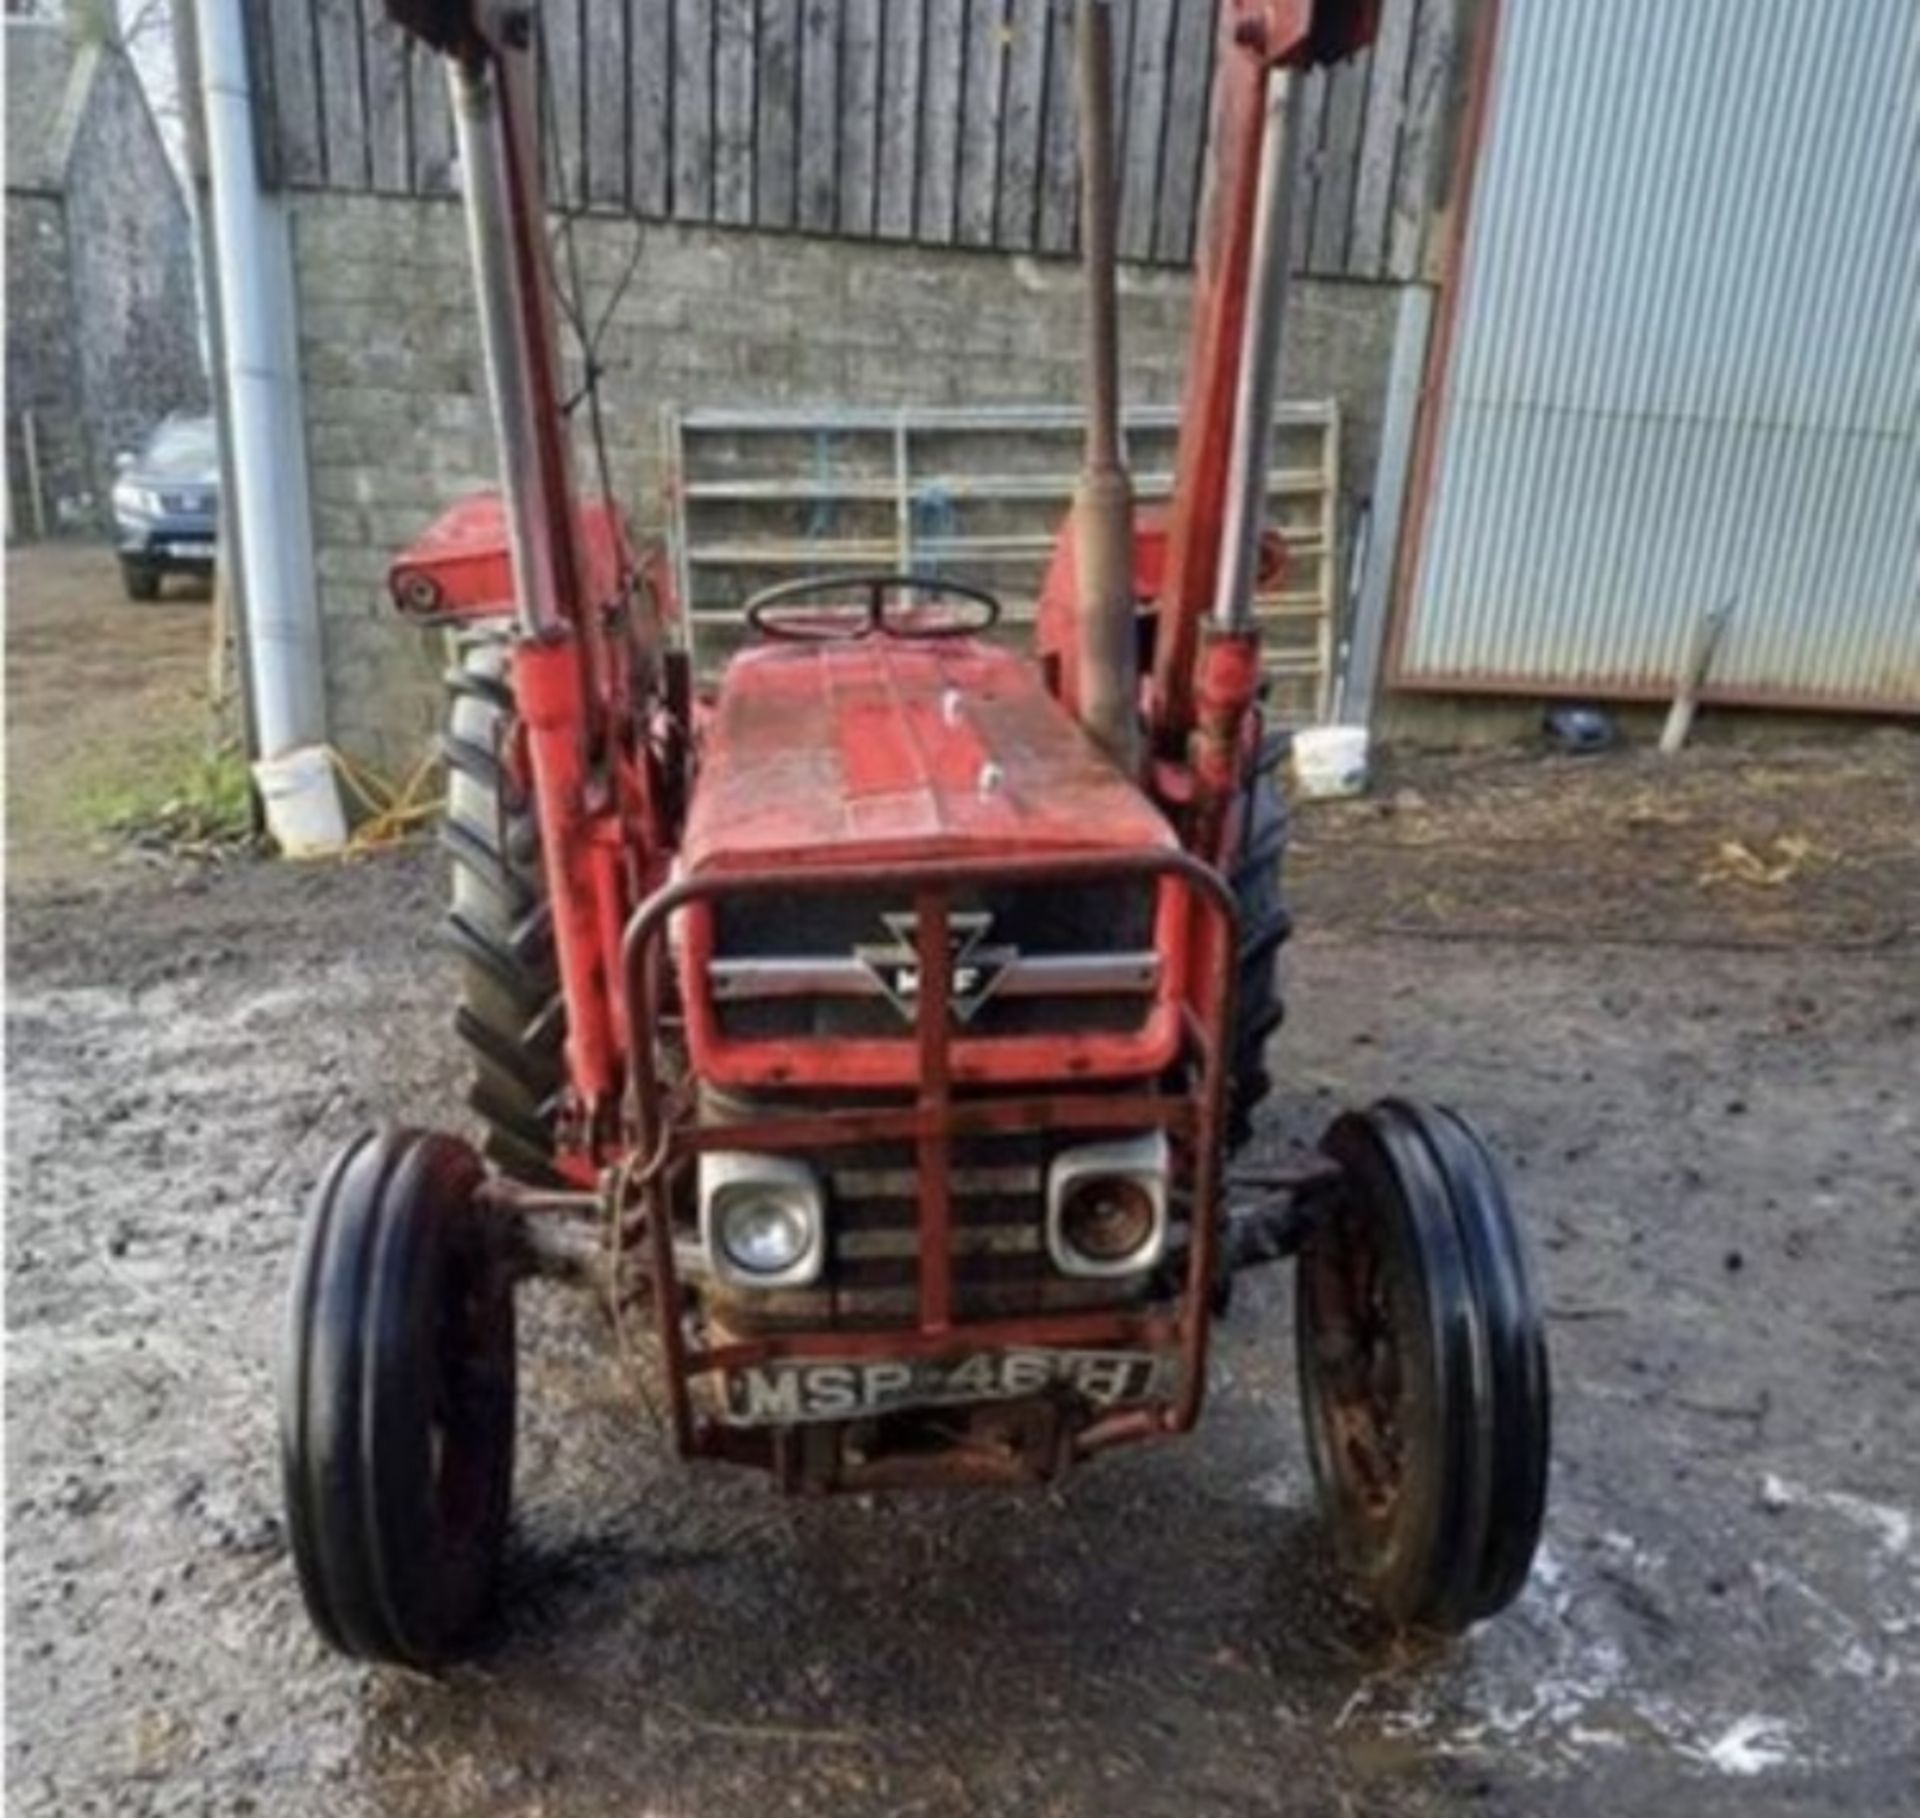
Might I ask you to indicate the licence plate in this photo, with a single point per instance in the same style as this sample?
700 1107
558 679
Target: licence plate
783 1394
191 552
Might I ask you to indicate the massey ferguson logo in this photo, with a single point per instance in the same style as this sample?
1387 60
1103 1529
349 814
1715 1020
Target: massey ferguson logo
974 969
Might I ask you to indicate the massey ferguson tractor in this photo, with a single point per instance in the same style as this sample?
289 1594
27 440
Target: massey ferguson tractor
874 1032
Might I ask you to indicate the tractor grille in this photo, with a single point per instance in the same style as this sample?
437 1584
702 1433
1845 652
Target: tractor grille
1051 959
1000 1264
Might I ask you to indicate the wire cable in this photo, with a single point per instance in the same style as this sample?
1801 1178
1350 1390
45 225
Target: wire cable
571 296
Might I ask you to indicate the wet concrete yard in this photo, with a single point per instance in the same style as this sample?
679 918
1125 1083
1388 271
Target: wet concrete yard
1715 1144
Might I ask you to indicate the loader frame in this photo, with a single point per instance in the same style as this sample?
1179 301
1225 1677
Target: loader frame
602 781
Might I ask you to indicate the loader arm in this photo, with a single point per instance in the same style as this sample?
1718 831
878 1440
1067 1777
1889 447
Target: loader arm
1214 520
1200 703
570 690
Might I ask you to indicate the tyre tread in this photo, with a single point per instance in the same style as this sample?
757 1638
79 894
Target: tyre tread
1265 926
511 1015
370 1275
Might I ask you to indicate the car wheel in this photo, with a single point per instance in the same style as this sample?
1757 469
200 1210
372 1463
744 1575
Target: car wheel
141 579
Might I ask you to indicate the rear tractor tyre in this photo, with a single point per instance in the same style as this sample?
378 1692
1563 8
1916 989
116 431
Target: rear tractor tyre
1265 924
1423 1370
397 1389
511 1015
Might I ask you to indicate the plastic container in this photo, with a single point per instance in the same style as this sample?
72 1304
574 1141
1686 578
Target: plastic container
302 799
1330 760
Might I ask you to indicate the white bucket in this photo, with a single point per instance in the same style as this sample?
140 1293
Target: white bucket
302 800
1330 760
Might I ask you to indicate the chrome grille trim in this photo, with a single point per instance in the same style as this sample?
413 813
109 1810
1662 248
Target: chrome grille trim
1033 975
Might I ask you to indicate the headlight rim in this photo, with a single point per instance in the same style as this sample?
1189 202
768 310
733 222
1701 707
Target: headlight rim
729 1178
1144 1160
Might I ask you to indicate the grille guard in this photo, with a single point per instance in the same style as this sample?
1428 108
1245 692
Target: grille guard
1196 1120
868 1061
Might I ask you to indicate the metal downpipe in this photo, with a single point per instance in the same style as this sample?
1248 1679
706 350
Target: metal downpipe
262 430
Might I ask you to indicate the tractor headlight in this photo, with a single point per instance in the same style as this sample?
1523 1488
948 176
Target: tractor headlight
762 1219
1107 1206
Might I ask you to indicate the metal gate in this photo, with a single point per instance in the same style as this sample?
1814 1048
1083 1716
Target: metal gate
979 493
1683 366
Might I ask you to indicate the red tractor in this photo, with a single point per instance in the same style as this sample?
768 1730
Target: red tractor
872 1034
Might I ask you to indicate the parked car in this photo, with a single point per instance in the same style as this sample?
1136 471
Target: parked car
166 506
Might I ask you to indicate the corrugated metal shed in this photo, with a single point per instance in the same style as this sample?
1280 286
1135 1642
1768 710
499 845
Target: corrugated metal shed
1685 360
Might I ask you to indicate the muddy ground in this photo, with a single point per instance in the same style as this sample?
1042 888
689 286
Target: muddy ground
116 698
1705 1083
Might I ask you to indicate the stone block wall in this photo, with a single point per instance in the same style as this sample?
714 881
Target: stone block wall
396 415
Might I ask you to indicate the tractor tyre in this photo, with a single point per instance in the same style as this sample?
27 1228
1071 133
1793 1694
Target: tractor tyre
1265 923
1423 1370
397 1391
139 580
511 1015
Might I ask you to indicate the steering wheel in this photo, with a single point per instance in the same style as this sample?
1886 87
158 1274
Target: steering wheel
839 623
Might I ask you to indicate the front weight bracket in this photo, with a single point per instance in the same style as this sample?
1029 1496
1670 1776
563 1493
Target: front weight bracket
1280 1210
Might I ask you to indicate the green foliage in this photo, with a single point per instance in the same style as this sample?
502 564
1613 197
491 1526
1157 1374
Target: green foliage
197 801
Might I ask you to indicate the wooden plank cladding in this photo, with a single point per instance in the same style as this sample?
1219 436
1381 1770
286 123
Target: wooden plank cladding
944 122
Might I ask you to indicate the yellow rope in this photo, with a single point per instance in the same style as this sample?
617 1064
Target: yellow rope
391 814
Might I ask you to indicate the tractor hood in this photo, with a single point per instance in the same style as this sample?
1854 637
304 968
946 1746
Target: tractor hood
892 749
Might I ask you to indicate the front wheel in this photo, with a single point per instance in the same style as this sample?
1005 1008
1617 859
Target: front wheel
397 1401
140 580
1423 1370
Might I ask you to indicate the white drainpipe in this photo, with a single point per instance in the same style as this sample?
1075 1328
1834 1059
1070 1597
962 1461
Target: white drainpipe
254 247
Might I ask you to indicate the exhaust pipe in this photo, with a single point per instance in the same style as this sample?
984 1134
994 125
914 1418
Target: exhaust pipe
1105 642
